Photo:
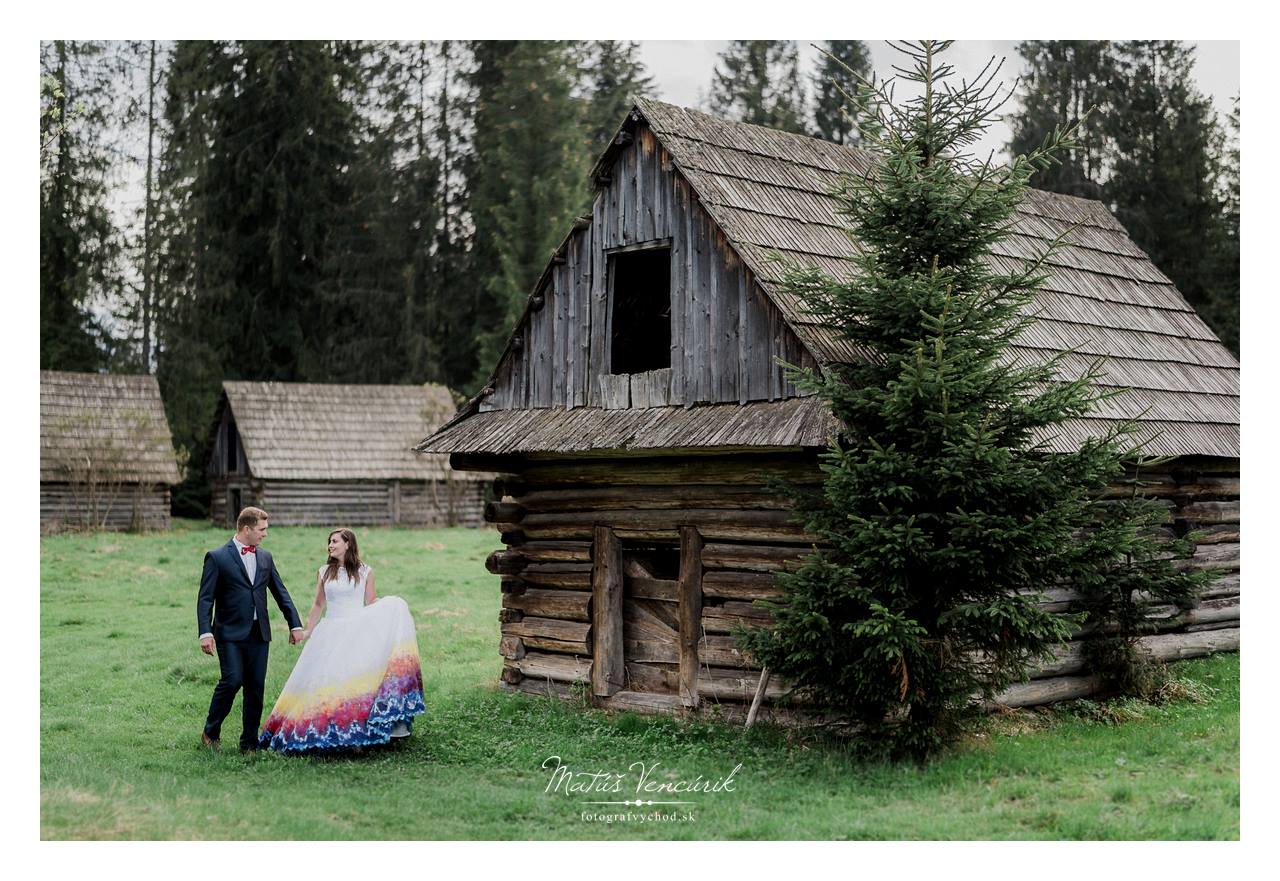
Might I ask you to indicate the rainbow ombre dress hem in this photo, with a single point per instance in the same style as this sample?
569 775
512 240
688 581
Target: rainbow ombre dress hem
373 731
356 678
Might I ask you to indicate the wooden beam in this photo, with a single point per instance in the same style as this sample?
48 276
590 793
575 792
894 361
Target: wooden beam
741 585
539 687
723 651
642 702
503 512
569 605
558 668
730 525
565 576
690 612
759 696
505 562
604 498
557 552
608 671
726 616
1210 512
738 685
1069 659
653 589
757 558
551 634
1225 556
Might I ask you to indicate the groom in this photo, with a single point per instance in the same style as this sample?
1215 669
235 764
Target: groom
235 582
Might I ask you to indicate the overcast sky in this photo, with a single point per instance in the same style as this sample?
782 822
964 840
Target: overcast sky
682 70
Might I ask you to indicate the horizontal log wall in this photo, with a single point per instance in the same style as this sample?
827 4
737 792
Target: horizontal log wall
725 333
364 503
133 507
549 513
436 503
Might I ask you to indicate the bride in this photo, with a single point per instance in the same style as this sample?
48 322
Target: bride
358 681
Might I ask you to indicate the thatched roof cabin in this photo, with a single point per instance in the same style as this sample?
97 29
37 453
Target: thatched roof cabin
331 454
650 459
106 455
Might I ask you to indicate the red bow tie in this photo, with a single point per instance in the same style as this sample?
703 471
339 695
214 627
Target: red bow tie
248 549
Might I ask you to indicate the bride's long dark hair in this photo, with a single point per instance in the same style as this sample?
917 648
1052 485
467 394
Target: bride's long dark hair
352 561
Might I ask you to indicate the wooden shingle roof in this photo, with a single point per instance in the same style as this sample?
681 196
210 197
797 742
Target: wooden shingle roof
314 431
115 421
769 191
784 424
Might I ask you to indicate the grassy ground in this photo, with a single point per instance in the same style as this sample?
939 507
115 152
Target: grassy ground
124 690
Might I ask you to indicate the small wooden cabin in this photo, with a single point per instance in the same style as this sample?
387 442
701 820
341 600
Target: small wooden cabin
106 455
639 410
339 455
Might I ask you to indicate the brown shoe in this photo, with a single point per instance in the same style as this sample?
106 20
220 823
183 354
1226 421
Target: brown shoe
212 743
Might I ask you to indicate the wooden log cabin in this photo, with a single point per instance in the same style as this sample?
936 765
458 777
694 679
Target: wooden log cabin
640 409
106 455
336 455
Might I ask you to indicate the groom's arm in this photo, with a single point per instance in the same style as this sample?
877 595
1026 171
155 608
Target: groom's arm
204 601
284 601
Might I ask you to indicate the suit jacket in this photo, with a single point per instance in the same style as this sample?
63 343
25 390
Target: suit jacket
227 600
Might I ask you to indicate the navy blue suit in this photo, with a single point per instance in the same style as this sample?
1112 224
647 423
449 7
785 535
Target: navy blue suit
225 608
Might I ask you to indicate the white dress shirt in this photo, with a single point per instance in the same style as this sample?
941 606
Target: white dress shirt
250 562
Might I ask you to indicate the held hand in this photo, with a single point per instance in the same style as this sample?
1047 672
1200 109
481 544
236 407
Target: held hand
206 645
295 637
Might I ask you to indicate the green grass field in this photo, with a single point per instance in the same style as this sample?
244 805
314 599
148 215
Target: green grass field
124 690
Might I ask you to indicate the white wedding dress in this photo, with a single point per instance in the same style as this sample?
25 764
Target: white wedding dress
358 680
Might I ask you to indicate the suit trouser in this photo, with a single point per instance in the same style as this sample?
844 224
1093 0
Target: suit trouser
244 665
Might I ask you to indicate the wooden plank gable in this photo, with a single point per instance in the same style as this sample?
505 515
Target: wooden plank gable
726 334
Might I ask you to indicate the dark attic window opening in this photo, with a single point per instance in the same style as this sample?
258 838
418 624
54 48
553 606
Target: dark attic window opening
641 321
232 463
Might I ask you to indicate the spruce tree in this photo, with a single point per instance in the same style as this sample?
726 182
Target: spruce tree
188 362
79 243
840 68
1164 183
942 515
529 177
758 81
614 77
454 238
386 255
1067 83
1224 261
258 189
142 66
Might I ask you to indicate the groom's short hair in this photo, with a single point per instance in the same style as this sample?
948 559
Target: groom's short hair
250 517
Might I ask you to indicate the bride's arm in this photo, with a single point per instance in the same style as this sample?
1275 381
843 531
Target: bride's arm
369 593
317 608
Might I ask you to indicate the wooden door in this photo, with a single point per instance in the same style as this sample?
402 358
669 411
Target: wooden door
646 616
651 617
